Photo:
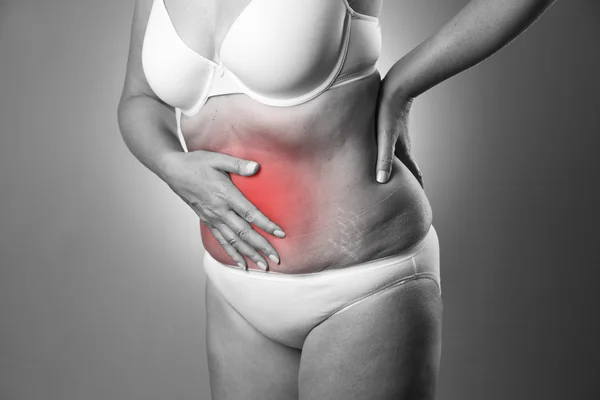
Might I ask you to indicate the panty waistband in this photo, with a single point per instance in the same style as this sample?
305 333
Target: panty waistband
430 239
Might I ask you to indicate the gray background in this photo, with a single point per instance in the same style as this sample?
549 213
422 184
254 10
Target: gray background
101 285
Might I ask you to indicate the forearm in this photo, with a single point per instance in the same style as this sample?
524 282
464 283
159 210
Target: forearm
148 128
480 29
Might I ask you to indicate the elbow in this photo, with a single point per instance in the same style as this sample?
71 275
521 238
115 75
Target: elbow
123 109
127 109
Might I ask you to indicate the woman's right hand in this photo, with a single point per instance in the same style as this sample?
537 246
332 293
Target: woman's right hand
201 179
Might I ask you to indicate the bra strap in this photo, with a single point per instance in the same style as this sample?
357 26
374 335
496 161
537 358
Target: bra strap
179 132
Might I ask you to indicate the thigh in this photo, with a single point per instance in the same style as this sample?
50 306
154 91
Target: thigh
242 362
384 347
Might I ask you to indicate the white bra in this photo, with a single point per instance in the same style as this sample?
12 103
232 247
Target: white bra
278 52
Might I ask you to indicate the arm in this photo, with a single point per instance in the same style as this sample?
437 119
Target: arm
479 30
147 124
200 178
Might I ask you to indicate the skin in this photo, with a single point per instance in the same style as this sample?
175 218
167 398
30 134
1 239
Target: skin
388 346
326 147
245 364
316 179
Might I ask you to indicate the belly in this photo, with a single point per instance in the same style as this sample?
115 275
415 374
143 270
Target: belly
316 178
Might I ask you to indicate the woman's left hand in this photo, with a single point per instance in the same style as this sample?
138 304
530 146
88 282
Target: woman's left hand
392 136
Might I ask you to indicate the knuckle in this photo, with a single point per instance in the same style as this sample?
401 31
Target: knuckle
250 214
270 226
243 234
234 242
238 165
210 214
222 187
386 161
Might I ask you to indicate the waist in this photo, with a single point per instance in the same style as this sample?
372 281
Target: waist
334 213
316 178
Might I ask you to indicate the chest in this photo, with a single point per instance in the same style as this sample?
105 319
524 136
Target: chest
278 52
203 25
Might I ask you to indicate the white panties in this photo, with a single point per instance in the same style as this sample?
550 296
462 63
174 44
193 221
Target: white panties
286 307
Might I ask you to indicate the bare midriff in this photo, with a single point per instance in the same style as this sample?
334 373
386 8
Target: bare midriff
316 178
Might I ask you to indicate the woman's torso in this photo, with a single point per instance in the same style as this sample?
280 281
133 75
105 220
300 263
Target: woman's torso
318 159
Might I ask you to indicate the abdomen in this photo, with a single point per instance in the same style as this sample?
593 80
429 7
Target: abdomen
317 177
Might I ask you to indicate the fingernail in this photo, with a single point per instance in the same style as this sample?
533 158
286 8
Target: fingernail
242 266
279 233
251 167
382 176
274 258
262 265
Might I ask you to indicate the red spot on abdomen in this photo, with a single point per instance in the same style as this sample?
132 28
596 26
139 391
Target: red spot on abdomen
287 191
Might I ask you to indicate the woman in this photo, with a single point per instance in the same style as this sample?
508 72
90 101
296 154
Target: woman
322 263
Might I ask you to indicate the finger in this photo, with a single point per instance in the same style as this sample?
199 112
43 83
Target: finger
386 141
414 168
241 246
409 161
245 232
250 213
229 249
234 165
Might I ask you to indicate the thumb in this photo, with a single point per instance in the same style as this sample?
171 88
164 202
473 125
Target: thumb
386 143
385 154
234 165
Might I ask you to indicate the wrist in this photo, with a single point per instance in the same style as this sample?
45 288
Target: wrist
167 164
396 100
412 74
395 89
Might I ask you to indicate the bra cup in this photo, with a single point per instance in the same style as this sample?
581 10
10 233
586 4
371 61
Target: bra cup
278 52
291 51
364 48
169 65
